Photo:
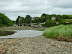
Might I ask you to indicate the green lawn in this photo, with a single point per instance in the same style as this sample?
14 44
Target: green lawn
67 20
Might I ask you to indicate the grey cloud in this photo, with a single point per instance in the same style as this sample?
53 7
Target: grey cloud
13 16
61 3
14 8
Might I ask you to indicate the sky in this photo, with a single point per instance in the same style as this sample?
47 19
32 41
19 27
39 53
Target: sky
15 8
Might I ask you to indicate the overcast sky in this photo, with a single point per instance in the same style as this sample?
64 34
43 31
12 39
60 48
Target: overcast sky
15 8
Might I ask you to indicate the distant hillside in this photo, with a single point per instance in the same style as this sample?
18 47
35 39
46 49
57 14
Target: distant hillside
69 15
67 20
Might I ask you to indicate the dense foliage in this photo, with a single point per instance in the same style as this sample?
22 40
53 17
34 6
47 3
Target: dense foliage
28 19
61 19
20 20
4 20
49 23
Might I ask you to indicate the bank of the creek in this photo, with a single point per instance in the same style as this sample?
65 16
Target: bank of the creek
34 45
32 42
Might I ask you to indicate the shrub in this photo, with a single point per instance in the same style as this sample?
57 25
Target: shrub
29 25
43 24
50 23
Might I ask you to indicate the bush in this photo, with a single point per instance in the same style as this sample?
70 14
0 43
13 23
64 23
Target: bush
50 23
43 24
24 24
1 25
29 25
61 31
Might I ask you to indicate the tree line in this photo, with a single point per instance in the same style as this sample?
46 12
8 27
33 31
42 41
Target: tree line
44 18
5 21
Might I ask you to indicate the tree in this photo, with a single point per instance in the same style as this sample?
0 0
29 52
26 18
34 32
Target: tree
59 18
20 20
4 20
65 17
49 23
43 17
36 19
0 21
28 19
47 17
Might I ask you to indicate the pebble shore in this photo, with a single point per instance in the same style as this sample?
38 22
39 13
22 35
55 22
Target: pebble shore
34 45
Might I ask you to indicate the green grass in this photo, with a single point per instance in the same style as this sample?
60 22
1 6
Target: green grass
5 33
67 20
61 31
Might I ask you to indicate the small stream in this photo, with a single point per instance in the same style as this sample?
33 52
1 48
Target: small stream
24 33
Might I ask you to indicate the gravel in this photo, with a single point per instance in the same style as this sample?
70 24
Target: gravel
34 45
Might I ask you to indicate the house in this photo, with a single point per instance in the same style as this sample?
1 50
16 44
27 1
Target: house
53 18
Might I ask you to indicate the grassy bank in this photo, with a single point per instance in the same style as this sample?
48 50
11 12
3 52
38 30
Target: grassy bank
61 32
5 33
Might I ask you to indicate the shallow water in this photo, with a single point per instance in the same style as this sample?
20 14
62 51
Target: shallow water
24 33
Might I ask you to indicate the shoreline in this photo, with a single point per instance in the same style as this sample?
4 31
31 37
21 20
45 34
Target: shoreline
35 45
